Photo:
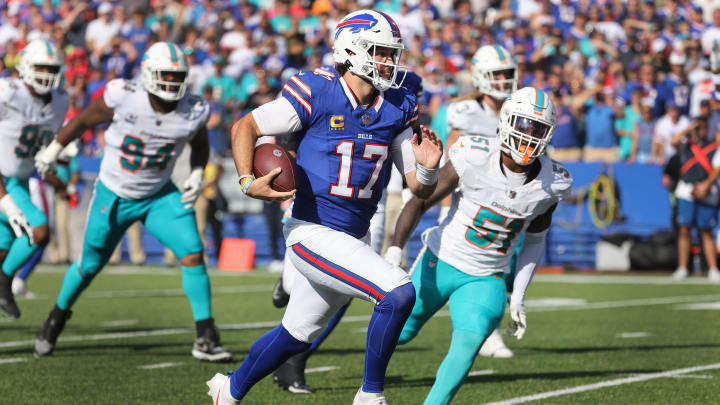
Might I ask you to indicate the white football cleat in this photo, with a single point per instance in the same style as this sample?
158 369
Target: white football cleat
495 347
19 289
369 398
714 276
680 274
220 390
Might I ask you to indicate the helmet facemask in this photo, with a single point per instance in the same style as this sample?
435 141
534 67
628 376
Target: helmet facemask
527 138
497 88
168 90
42 81
364 64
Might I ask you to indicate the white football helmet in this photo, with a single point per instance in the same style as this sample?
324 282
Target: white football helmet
357 37
164 57
527 123
488 60
40 52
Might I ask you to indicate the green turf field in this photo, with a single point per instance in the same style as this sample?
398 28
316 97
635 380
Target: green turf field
593 339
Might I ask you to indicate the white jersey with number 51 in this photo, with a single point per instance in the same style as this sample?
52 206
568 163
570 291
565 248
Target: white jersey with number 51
26 125
141 144
479 235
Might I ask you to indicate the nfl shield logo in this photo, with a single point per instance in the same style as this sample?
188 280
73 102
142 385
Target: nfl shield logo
511 194
365 120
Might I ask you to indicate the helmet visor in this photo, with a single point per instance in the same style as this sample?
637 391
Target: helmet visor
527 126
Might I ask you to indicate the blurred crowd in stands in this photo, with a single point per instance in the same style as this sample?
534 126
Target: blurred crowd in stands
626 75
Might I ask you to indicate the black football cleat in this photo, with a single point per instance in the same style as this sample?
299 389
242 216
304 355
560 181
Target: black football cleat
7 299
290 376
207 345
48 335
280 298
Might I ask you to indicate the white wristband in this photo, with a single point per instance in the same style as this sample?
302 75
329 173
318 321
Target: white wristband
426 176
8 206
394 255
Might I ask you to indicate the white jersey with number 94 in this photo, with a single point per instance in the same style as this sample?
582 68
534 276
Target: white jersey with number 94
26 125
141 144
479 235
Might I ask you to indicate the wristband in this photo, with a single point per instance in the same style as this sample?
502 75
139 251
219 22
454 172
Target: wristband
426 176
244 176
245 183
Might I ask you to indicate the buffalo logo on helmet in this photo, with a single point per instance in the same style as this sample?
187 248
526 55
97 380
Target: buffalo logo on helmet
357 23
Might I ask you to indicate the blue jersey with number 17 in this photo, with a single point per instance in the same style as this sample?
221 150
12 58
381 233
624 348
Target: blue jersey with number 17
343 148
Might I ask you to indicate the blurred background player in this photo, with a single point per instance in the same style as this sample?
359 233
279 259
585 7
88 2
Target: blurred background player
341 177
151 123
52 198
32 110
506 188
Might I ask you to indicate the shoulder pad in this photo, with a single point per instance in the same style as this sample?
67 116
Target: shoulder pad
8 88
562 180
457 114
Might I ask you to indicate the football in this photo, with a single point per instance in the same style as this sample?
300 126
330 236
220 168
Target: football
268 156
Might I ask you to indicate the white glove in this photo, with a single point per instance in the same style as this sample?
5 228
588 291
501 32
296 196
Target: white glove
519 320
70 151
46 158
394 255
18 222
192 187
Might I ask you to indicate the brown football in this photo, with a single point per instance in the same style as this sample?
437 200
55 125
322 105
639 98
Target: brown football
268 156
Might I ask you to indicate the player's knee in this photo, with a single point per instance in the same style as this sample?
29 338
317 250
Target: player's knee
41 234
401 298
466 341
305 332
193 259
407 335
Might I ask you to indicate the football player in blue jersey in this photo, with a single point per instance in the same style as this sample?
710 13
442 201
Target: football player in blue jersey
291 374
348 120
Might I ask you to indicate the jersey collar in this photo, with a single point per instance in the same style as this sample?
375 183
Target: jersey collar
354 100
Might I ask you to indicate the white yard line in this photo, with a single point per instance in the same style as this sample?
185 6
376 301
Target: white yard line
321 369
160 365
680 376
612 279
632 335
176 292
118 323
604 384
480 372
13 360
640 302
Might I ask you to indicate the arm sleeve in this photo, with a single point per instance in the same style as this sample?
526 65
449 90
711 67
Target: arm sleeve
277 117
530 255
402 152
